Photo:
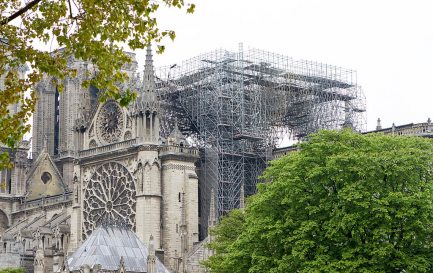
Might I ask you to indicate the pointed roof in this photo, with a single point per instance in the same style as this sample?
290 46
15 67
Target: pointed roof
107 246
148 75
147 99
176 135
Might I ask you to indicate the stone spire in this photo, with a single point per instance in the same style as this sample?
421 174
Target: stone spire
148 88
151 258
212 216
176 137
147 99
379 125
146 109
122 267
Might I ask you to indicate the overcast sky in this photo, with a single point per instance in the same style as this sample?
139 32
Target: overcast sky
388 43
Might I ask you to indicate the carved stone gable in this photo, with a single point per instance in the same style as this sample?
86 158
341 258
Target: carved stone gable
44 179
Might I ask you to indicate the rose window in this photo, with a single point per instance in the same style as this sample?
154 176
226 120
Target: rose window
110 122
109 196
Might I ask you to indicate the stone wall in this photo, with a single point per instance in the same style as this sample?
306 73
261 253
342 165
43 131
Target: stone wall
148 186
9 260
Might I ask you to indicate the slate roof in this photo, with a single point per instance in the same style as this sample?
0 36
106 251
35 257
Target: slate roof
106 245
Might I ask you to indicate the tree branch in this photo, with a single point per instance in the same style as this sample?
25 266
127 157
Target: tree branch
20 12
70 9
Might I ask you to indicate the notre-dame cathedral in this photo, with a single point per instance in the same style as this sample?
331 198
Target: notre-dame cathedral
114 189
94 163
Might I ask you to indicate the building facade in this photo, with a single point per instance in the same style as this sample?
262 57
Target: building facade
94 162
422 129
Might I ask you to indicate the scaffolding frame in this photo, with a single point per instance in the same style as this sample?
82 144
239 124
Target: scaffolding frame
236 105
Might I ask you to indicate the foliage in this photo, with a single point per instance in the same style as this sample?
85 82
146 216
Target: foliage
344 202
94 31
12 270
227 231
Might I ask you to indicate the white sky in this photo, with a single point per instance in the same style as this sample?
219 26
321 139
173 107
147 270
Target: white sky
389 43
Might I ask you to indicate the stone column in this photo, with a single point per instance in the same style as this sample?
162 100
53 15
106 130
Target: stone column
75 236
151 258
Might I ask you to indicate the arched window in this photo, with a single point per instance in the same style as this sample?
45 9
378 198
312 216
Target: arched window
148 119
61 241
93 92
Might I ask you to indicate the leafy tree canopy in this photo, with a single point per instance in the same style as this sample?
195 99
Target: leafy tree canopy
344 202
90 30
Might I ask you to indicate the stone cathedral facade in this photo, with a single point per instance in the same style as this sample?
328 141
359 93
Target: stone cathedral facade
94 162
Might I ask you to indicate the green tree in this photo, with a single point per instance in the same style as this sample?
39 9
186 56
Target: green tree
344 202
12 270
94 31
227 231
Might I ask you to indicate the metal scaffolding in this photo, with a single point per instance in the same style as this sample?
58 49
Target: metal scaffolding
236 105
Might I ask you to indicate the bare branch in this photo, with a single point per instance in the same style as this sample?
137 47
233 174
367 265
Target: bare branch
20 12
70 9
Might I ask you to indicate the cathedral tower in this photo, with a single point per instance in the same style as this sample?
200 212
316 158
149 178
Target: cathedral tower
45 118
180 203
146 114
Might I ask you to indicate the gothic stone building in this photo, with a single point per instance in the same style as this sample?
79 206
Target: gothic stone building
93 162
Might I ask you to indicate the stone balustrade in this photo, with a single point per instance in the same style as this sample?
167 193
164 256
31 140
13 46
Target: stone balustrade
108 148
46 200
172 149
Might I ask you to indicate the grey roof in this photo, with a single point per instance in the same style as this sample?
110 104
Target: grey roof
26 224
106 245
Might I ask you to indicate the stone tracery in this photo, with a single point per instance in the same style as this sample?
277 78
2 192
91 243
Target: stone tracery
109 196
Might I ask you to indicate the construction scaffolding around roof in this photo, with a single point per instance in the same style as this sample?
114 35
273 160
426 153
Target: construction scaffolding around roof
235 106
